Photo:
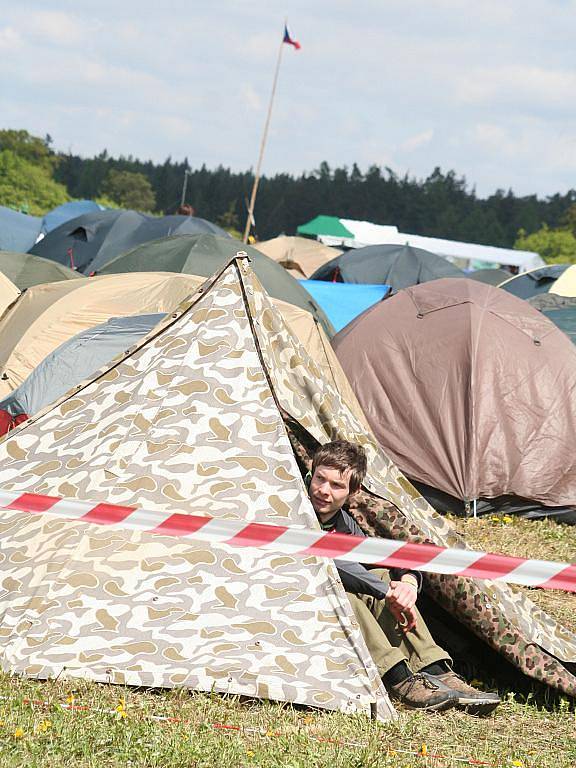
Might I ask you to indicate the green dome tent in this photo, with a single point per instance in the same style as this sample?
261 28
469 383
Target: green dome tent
26 270
203 255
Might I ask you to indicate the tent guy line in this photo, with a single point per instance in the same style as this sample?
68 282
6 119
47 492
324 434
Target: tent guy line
302 541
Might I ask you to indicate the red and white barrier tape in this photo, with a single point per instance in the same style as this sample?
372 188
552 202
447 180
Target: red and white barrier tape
385 553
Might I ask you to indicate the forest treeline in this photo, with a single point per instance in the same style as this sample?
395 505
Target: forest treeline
442 205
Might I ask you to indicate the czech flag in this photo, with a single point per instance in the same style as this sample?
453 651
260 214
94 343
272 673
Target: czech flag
288 39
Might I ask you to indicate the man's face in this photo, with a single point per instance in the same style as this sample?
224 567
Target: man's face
329 490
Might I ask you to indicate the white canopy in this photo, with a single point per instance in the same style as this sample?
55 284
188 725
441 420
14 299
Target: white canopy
366 233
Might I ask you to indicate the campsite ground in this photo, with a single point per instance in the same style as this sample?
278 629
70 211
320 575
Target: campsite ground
105 726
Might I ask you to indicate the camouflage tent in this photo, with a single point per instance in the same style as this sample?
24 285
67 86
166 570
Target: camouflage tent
49 315
197 418
186 421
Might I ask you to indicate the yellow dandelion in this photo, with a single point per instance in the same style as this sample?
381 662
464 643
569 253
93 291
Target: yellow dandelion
121 708
423 750
308 719
269 733
70 699
507 519
249 753
44 726
391 752
517 763
495 518
19 733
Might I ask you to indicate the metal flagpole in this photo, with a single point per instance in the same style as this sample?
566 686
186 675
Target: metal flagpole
250 216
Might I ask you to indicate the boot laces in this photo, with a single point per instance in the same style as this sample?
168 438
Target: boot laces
427 682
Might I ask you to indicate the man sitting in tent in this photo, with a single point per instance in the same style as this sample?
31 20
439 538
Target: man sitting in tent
414 669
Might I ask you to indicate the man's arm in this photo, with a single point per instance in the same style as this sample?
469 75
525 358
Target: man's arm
349 525
358 580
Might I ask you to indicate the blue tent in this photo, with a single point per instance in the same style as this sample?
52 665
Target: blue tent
67 211
18 231
342 302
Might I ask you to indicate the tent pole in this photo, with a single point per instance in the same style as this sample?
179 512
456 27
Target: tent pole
184 187
250 216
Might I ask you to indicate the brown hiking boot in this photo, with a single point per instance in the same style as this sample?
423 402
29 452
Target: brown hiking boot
424 691
475 702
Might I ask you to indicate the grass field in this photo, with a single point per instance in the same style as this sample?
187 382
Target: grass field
58 723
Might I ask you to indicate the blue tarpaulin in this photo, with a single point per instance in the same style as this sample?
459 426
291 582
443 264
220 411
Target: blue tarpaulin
342 302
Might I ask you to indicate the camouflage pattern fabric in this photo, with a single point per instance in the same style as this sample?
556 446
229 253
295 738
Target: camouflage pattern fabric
126 438
498 614
185 421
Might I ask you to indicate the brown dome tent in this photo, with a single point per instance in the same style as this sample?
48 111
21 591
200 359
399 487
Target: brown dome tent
472 392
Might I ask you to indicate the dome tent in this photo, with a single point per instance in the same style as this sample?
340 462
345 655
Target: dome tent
50 315
472 393
91 240
396 265
535 281
26 270
18 231
69 364
560 309
203 254
301 256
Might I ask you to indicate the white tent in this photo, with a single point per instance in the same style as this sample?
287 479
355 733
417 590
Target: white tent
463 254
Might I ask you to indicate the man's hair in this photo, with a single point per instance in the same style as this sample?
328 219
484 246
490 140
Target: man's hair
342 455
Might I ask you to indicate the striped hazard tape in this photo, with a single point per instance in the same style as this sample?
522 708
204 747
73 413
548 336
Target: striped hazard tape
385 553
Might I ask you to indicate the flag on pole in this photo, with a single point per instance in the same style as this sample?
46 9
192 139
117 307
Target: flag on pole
288 39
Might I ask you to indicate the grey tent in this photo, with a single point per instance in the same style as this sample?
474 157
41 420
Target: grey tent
490 276
26 270
396 265
560 309
73 361
90 241
535 281
204 254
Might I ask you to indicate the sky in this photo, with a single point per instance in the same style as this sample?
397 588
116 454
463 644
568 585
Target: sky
484 88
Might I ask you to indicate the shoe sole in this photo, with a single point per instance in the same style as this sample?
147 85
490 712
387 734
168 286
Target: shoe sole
442 706
475 707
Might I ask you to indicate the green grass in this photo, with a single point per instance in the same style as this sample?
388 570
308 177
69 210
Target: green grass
212 730
96 734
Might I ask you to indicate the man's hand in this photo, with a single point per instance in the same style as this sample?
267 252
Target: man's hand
400 601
